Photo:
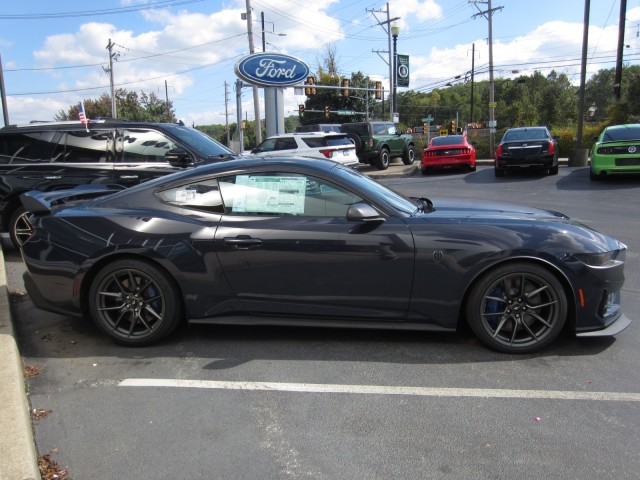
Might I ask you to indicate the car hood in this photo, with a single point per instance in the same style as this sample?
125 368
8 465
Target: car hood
489 210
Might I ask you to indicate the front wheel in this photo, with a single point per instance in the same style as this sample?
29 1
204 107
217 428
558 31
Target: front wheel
134 302
20 228
382 162
409 155
517 308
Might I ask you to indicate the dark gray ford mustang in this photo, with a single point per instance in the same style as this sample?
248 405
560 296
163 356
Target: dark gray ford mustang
309 242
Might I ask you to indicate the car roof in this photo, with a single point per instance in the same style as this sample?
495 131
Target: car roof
38 125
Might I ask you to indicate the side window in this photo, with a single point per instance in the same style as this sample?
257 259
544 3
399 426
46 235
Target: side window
27 147
315 142
280 194
138 145
201 195
84 147
286 143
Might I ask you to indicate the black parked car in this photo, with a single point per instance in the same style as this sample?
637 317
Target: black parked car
314 243
51 156
527 147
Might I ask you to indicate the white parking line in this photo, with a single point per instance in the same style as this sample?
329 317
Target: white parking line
382 390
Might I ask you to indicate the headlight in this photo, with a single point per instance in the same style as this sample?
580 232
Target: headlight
597 259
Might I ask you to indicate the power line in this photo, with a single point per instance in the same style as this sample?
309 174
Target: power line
103 11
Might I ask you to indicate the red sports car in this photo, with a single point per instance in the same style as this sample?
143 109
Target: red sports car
449 151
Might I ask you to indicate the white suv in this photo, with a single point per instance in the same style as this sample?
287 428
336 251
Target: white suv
334 146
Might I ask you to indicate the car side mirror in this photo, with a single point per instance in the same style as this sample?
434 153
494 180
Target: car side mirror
363 212
179 157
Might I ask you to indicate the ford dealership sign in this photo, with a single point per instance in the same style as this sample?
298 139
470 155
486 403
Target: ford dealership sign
271 70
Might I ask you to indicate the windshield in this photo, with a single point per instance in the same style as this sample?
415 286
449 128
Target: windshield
391 197
621 134
203 144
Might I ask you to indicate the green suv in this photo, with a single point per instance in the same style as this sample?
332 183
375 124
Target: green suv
377 142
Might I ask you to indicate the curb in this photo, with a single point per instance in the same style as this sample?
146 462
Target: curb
18 458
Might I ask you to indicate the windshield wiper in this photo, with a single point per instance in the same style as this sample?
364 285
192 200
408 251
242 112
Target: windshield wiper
424 204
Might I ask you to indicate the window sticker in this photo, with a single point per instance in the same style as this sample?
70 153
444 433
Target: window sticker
185 195
269 194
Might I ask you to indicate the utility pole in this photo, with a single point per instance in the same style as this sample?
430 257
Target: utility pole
617 84
256 96
473 62
226 112
386 27
5 112
580 155
112 55
488 14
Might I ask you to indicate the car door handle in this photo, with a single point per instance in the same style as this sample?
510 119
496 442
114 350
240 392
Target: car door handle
53 177
128 177
243 242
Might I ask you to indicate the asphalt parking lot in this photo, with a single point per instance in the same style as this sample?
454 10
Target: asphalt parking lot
239 402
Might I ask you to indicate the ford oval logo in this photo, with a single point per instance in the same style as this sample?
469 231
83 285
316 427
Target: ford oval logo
271 70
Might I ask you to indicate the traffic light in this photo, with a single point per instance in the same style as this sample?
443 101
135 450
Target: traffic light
310 90
453 127
378 90
345 87
326 111
301 110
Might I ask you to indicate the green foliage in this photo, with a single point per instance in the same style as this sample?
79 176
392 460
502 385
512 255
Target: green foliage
129 106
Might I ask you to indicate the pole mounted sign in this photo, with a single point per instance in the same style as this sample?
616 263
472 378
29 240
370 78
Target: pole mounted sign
271 70
403 70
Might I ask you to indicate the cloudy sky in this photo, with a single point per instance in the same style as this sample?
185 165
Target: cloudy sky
54 53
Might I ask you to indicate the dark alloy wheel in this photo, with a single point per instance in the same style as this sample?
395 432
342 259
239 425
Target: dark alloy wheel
382 162
409 155
134 302
20 228
517 308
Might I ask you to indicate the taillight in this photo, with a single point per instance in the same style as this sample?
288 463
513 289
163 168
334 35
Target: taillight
499 151
552 148
371 143
327 153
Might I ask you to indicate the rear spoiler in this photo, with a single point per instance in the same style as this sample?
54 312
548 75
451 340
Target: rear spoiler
37 201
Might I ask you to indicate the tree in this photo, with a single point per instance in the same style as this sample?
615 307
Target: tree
146 108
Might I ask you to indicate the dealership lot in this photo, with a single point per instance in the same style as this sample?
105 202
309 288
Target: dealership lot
240 402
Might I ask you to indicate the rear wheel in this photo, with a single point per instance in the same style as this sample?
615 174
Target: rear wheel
553 170
517 308
382 162
134 302
20 228
499 172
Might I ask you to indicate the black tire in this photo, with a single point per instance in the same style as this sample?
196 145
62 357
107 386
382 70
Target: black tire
594 177
382 162
471 168
409 155
357 141
20 228
517 308
134 302
553 170
499 172
426 171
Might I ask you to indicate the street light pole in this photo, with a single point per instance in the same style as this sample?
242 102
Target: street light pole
395 31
